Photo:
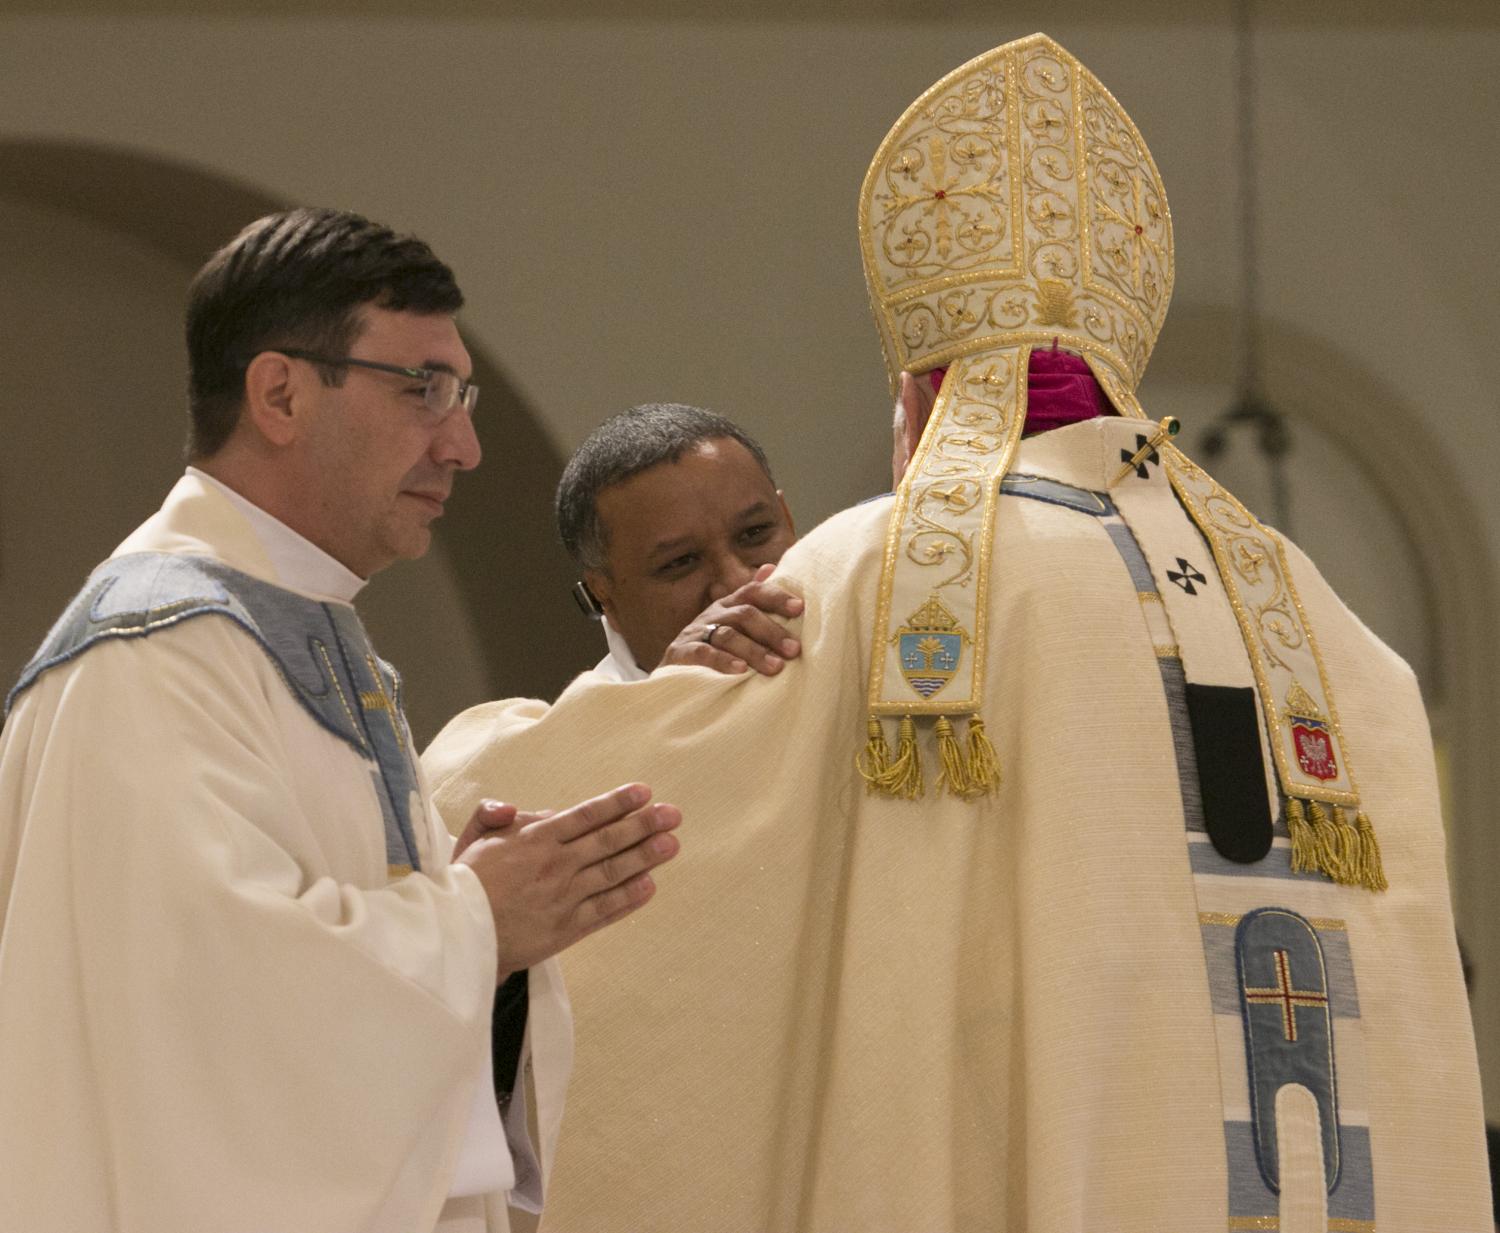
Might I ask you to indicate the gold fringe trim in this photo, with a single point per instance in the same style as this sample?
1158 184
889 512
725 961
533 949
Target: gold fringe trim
1324 841
1371 867
906 770
874 760
984 763
1304 847
900 776
952 773
1348 844
965 770
1332 856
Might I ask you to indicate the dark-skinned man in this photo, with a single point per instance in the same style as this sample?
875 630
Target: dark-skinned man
673 518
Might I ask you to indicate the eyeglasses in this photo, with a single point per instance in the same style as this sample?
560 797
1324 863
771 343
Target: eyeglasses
443 392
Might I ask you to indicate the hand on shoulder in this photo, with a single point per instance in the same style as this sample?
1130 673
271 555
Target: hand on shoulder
740 631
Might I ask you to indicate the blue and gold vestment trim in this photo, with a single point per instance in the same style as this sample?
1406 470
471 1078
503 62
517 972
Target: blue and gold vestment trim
320 650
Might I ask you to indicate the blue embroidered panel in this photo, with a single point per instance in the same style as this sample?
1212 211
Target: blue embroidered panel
1131 554
1054 493
1284 998
1219 948
383 722
1254 1070
1277 863
1250 1199
320 650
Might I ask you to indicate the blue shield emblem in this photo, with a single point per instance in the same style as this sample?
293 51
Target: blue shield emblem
928 661
930 647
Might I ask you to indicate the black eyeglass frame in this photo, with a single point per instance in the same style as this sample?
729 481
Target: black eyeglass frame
466 393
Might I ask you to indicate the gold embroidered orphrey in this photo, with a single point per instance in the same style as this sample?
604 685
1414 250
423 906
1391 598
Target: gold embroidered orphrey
1015 204
940 536
378 699
1302 724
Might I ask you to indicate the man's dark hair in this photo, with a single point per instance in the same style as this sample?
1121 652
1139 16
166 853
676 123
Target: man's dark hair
298 280
625 445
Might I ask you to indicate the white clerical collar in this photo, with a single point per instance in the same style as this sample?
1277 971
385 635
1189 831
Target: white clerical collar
619 664
300 564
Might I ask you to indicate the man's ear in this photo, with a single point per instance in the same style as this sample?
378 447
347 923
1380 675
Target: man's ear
916 405
917 400
271 395
598 582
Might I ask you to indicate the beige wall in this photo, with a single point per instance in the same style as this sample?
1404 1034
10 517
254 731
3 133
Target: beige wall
664 209
644 210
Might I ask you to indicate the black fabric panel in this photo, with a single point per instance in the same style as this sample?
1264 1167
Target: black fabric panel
508 1031
1231 774
1492 1139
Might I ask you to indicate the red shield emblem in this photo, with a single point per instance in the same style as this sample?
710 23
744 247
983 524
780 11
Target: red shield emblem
1315 751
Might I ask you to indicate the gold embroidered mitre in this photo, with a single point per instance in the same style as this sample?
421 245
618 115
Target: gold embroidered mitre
1015 203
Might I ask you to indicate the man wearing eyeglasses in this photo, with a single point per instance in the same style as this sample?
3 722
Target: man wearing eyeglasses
247 982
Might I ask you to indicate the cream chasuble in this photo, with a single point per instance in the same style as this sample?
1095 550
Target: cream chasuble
220 1008
1051 1008
1142 924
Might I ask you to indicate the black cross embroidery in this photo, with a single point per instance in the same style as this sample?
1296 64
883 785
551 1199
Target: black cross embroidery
1184 576
1146 459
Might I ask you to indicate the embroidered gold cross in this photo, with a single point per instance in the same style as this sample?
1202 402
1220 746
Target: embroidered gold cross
378 700
1290 998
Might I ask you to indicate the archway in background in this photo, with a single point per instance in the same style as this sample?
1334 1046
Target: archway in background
510 577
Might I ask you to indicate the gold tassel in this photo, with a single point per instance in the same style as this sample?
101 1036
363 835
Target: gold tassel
984 763
900 776
906 771
1371 867
1304 844
1324 841
874 760
951 772
1332 858
1349 847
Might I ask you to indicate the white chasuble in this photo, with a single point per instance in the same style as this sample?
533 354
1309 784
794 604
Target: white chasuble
1054 1008
221 1007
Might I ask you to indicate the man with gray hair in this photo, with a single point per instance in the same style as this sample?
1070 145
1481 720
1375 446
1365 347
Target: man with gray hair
672 515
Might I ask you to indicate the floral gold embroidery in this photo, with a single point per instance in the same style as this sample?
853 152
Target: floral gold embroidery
1016 192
